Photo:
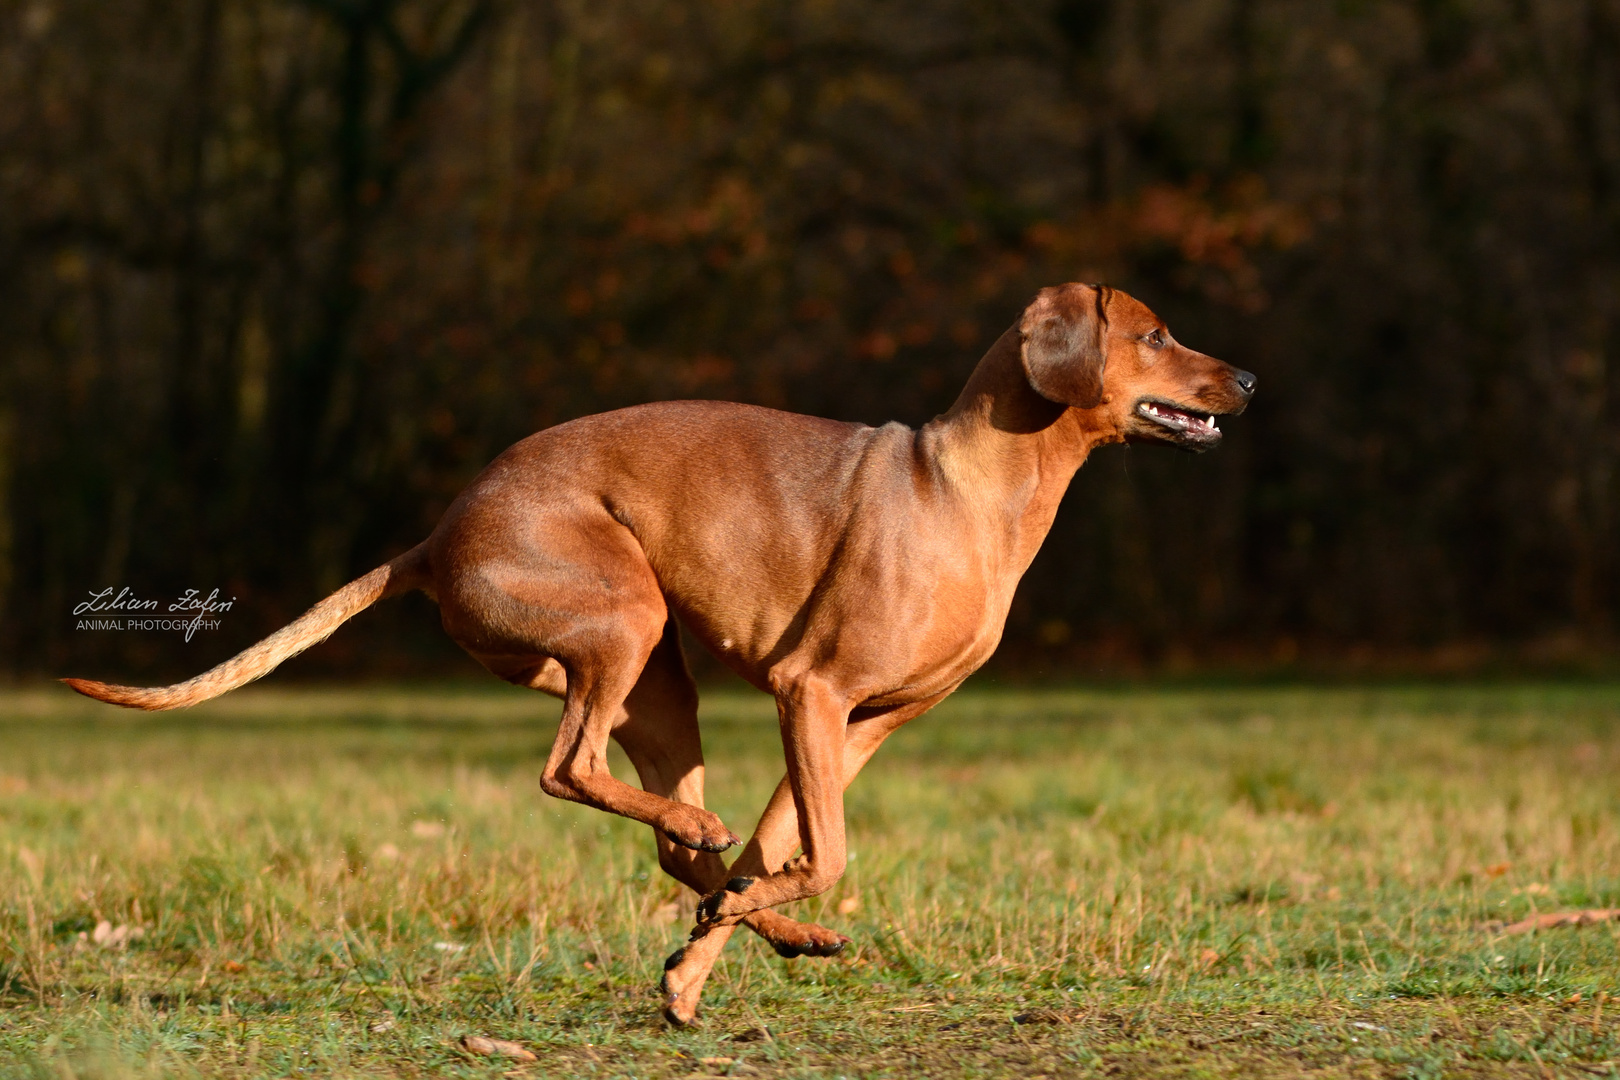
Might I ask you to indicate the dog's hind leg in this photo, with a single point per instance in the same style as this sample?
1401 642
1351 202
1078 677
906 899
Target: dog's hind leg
595 704
659 735
581 601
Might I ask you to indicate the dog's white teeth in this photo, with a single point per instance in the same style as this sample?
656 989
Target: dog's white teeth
1212 425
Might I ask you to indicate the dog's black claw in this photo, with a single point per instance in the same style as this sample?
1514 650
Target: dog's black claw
675 958
790 952
715 846
709 907
739 884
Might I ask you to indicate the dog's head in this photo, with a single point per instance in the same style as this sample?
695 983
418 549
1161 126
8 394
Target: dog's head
1095 348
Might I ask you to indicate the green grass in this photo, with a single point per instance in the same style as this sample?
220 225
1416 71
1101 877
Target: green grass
1216 882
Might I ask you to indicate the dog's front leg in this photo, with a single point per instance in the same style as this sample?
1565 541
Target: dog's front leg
773 841
813 718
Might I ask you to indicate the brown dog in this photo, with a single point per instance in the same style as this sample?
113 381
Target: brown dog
857 574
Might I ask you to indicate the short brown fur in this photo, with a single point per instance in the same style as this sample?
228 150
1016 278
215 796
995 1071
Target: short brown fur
857 574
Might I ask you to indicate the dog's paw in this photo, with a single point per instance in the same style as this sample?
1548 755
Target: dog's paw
712 908
675 1015
806 939
680 987
698 829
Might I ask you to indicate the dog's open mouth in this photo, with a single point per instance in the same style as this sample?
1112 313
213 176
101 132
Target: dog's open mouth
1197 427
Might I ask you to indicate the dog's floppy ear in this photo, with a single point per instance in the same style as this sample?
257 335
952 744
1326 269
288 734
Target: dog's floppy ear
1065 332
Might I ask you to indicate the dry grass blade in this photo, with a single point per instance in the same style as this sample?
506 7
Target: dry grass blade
502 1048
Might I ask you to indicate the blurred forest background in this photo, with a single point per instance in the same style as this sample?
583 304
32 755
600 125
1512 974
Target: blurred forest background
277 277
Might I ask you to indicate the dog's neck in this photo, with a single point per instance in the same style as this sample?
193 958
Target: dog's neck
1010 451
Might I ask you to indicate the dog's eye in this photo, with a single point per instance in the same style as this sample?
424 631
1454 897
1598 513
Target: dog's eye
1155 339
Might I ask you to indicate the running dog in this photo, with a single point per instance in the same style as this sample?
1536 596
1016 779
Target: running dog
857 574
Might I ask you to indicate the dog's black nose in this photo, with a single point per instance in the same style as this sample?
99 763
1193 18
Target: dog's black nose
1246 381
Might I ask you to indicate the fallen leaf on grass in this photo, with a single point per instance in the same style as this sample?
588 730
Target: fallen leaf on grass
483 1047
1561 918
448 947
387 853
848 905
109 936
234 967
716 1061
1048 1016
1498 869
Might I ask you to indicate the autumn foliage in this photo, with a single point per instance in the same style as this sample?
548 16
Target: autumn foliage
278 276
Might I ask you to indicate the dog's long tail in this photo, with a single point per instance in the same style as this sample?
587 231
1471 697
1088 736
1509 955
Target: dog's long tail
312 627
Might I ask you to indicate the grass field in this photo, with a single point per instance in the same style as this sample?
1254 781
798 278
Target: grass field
1210 882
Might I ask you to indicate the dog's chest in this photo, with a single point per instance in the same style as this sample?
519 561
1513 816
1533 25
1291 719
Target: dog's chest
952 645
